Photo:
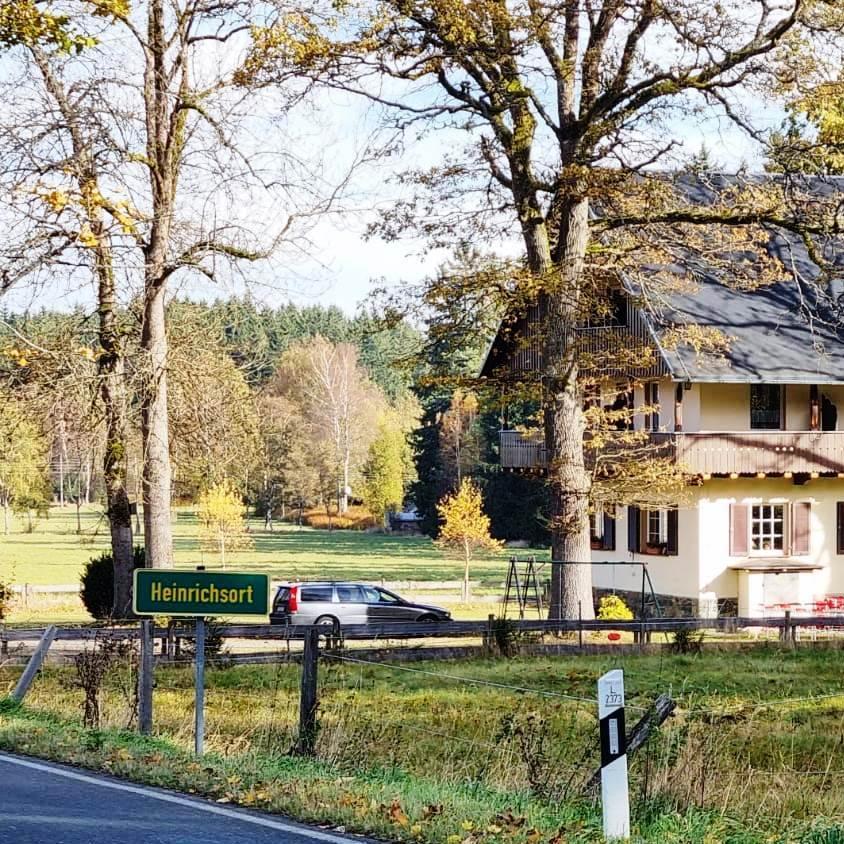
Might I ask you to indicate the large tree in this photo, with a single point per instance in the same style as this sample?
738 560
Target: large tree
152 174
564 107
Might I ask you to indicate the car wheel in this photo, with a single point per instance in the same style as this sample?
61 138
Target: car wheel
329 623
428 619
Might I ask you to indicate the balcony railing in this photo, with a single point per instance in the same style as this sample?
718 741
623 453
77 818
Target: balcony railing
725 453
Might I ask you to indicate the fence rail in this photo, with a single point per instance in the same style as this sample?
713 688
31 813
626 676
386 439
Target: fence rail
446 630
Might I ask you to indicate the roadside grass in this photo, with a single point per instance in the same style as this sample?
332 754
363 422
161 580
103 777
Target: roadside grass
737 763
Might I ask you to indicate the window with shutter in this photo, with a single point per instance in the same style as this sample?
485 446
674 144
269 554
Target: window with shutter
839 527
738 530
801 528
609 530
633 518
672 546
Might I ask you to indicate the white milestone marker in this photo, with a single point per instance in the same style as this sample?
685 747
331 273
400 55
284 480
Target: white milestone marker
615 798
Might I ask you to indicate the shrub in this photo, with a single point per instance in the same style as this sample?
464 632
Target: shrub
613 608
6 596
355 518
96 586
687 641
214 641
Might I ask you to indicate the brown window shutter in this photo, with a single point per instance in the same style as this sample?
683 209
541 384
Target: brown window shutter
800 527
673 544
608 539
634 515
738 530
839 527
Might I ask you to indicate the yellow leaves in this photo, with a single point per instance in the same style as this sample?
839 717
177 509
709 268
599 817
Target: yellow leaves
86 237
56 199
453 839
110 8
19 357
464 522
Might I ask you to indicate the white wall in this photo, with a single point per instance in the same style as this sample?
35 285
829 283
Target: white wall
724 407
703 562
670 575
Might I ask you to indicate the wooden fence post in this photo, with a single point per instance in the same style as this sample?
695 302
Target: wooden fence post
35 662
661 709
580 624
308 700
787 633
489 636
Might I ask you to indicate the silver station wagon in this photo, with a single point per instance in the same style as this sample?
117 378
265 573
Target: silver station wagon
335 604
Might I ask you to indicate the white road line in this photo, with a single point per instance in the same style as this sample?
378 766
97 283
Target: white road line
164 797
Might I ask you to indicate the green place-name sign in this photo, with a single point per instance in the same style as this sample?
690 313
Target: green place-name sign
199 593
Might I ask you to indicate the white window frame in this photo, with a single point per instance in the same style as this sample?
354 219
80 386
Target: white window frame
596 523
763 514
657 518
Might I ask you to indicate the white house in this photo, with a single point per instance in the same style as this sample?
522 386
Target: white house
757 431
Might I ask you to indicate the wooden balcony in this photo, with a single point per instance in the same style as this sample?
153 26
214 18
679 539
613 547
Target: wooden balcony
724 453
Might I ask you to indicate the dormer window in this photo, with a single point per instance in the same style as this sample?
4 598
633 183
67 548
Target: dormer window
766 407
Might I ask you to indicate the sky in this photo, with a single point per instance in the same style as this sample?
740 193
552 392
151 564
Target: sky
336 264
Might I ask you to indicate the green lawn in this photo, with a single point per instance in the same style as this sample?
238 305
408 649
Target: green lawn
55 553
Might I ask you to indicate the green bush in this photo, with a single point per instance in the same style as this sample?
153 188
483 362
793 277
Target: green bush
96 586
6 596
613 608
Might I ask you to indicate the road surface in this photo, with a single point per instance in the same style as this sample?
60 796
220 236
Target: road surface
41 803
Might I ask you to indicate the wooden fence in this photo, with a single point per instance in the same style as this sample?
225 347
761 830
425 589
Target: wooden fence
446 630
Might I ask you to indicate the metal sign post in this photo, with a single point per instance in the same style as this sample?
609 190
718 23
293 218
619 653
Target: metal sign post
199 731
615 798
193 593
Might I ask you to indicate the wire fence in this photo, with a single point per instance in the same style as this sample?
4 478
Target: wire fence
524 725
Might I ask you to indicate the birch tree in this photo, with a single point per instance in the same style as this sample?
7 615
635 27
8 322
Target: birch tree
555 115
338 408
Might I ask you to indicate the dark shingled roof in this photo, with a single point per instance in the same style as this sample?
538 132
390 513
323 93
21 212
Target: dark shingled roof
785 332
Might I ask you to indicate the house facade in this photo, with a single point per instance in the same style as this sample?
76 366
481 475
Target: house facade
758 431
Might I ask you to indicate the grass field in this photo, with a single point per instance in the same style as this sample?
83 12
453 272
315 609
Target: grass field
753 755
55 553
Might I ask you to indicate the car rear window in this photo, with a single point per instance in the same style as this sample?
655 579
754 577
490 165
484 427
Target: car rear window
282 596
350 595
315 593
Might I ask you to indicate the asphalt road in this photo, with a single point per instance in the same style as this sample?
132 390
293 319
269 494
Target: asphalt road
42 803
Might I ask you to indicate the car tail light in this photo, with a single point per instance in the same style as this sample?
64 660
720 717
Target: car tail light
293 600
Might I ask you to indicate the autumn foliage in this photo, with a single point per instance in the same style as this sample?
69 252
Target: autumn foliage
465 526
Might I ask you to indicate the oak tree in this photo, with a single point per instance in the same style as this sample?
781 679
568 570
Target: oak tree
566 110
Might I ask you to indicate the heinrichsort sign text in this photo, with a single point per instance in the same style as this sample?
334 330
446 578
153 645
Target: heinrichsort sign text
200 593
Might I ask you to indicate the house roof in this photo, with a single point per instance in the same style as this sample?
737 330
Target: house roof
786 332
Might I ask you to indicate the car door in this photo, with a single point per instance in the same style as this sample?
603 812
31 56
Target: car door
315 600
384 606
351 603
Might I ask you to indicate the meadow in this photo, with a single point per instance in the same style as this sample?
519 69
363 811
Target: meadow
431 752
55 553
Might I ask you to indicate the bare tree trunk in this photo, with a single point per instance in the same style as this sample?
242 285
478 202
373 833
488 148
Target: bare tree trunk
571 582
155 433
466 576
6 517
110 362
